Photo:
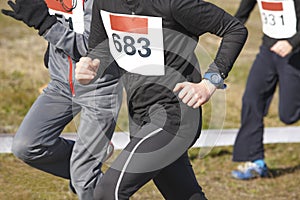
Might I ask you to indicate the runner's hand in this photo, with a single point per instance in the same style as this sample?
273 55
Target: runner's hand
282 48
86 70
34 13
195 94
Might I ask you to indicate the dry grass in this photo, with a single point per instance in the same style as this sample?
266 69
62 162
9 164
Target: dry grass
213 173
21 70
19 181
22 73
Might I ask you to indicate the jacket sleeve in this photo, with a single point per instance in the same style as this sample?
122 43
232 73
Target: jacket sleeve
98 33
199 17
244 10
98 41
72 43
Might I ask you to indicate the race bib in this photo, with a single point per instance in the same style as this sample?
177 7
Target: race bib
278 18
64 8
136 42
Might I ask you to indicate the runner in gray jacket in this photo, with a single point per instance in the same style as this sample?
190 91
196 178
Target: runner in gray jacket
65 25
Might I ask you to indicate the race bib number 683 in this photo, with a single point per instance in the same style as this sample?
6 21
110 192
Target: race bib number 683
136 42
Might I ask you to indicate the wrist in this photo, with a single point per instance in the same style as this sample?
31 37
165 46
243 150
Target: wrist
49 21
210 87
215 79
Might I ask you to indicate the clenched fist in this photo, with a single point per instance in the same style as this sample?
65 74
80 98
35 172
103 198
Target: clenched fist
282 48
86 70
195 94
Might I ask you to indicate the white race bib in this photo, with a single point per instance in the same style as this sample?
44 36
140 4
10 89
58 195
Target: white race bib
77 14
136 42
278 18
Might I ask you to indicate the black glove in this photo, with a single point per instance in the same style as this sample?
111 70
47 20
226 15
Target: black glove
34 13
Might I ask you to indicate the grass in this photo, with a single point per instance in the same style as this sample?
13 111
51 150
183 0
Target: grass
21 71
19 181
22 74
213 172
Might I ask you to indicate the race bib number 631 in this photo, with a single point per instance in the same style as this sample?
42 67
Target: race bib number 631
136 42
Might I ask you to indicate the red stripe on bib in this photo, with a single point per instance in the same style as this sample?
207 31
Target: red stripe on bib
272 6
129 24
57 5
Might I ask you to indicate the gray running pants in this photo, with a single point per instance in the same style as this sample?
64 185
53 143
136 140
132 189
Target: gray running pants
38 142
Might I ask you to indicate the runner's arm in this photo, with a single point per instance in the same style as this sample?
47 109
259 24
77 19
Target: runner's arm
98 41
244 10
200 17
72 43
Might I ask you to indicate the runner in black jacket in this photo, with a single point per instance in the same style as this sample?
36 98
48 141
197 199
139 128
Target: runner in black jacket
154 42
276 63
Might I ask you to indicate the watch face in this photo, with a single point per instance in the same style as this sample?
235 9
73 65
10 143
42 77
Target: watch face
215 78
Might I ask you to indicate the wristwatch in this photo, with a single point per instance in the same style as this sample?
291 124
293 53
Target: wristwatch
216 79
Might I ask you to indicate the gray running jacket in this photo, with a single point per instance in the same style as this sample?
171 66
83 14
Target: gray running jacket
67 39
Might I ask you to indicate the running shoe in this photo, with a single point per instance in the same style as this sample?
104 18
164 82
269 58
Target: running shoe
250 170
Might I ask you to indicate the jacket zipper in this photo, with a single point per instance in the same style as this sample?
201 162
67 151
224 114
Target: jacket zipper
71 83
71 76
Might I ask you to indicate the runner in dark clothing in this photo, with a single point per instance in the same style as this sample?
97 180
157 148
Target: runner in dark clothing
276 63
154 43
